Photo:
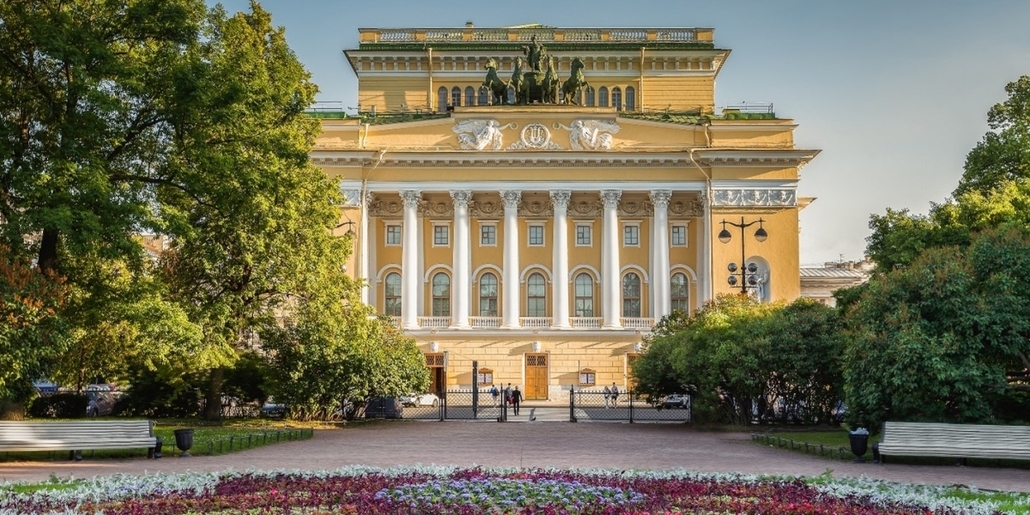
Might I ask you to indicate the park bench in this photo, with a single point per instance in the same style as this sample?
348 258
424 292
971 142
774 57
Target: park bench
959 441
75 436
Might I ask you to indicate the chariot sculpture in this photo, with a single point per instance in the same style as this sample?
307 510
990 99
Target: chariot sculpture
535 79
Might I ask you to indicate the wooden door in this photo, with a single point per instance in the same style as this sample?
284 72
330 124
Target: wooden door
536 376
437 372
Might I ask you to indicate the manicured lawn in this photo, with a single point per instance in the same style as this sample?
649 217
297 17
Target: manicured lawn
446 490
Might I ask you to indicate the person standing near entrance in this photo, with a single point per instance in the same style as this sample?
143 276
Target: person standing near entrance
494 393
516 398
615 394
607 396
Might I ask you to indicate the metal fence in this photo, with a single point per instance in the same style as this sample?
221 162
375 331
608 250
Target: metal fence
583 405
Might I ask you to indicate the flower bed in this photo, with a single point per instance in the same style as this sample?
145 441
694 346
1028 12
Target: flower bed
439 490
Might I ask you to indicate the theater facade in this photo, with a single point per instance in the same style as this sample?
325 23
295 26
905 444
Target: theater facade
534 198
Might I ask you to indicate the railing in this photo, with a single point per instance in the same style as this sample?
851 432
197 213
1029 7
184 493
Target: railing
396 321
586 322
434 322
485 322
753 107
637 323
545 35
535 322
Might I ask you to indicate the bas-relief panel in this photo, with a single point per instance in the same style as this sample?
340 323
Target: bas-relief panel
754 197
488 134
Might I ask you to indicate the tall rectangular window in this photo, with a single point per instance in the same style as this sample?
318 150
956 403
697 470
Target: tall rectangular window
440 235
488 235
393 235
631 236
583 235
536 235
679 236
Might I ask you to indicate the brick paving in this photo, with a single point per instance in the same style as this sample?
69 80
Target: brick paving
536 444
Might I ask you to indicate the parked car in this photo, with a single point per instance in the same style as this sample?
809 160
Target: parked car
272 409
44 388
383 407
676 401
425 399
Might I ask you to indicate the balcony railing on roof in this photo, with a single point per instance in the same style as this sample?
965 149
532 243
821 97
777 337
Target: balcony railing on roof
543 34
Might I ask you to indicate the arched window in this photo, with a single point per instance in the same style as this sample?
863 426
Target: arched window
456 96
441 295
631 100
441 99
511 95
488 295
617 98
589 102
536 296
680 293
602 97
631 295
484 96
393 295
470 96
584 295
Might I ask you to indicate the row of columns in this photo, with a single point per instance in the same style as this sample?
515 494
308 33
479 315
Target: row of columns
462 258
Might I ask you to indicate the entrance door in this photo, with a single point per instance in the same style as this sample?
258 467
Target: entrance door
536 376
437 372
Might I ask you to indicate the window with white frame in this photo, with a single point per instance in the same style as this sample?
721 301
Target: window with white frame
631 235
631 295
393 234
441 295
587 377
584 306
536 235
583 233
441 236
536 296
678 235
680 293
488 235
392 304
488 295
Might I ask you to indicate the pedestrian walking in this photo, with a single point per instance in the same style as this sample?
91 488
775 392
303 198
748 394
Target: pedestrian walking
615 394
607 396
494 393
516 398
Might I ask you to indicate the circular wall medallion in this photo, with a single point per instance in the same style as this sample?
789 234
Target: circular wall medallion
535 135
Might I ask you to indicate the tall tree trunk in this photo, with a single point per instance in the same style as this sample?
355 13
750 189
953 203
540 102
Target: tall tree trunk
213 404
48 251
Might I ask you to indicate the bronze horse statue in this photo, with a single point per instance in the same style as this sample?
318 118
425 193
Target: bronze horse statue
518 82
576 82
494 83
551 83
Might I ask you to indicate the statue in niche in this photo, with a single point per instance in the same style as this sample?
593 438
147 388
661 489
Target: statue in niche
576 82
497 87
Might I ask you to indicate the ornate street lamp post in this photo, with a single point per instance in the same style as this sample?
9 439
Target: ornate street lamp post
748 275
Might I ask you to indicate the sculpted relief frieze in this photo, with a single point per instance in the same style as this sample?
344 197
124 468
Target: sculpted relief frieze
590 134
754 197
481 134
535 136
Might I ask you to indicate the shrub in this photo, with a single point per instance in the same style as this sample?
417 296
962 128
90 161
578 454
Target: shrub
59 405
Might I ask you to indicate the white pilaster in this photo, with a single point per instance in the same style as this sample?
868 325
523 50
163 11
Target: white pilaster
705 290
560 260
611 297
660 286
410 272
510 285
364 258
462 265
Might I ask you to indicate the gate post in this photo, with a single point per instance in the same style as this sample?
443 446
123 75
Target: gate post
630 395
572 404
442 394
475 389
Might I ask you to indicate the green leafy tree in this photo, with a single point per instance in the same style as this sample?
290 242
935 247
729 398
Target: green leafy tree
1004 153
32 333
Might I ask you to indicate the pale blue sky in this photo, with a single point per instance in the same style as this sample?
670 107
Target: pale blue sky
895 93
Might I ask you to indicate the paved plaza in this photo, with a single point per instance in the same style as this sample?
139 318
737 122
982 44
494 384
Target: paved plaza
607 445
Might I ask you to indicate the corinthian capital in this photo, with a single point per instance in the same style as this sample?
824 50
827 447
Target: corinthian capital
461 198
610 198
661 198
511 198
411 198
560 199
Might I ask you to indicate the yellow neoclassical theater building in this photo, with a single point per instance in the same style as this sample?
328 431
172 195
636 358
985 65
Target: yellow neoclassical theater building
535 198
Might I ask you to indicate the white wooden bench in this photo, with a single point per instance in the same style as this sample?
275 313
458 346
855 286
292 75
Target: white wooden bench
954 441
75 436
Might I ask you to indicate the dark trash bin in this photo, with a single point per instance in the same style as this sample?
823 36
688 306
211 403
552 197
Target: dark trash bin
184 441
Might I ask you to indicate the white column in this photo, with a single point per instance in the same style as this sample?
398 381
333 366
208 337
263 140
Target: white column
510 281
462 259
611 297
705 291
660 286
410 272
364 259
560 260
